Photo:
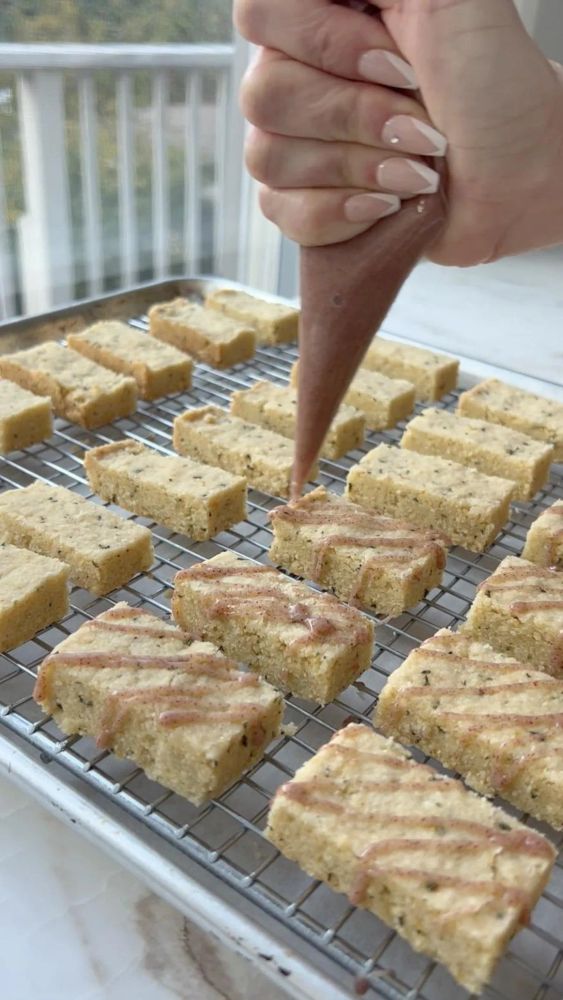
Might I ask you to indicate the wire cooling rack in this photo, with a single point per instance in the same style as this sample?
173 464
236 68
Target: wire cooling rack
225 836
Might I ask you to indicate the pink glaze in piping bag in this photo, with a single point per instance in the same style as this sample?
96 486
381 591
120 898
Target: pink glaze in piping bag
346 291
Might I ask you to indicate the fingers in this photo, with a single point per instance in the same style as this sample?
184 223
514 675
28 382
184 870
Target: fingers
322 216
328 37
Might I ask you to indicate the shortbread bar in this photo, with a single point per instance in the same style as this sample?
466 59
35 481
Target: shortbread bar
447 870
519 611
499 403
158 369
432 492
33 594
544 542
494 450
102 550
184 495
275 407
216 437
300 640
81 391
383 401
433 375
366 558
489 717
273 322
25 418
179 709
208 336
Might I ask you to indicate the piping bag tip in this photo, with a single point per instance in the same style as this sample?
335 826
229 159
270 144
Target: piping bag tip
347 290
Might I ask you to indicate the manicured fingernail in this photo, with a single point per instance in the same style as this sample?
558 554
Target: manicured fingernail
413 136
379 66
407 177
370 207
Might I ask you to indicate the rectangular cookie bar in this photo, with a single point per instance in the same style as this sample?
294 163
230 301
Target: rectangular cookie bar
519 611
544 541
81 391
24 418
432 492
158 369
273 322
453 875
216 437
184 495
367 558
102 550
179 709
275 407
208 336
491 718
33 594
432 374
300 640
494 450
500 403
383 401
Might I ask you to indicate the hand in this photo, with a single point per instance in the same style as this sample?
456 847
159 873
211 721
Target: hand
323 144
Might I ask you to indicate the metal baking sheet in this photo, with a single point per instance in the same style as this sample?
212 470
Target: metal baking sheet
224 837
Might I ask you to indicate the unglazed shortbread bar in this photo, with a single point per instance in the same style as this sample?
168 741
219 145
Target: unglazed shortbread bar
432 492
300 640
273 322
216 437
158 369
500 403
491 718
275 407
447 870
33 594
80 390
24 418
494 450
433 375
366 558
208 336
182 494
544 542
519 611
102 550
179 709
383 401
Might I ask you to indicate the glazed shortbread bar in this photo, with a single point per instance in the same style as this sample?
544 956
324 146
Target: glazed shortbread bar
273 322
80 390
433 375
383 401
102 550
275 407
158 369
24 418
499 403
179 709
208 336
494 450
544 542
447 870
216 437
33 594
432 492
362 557
300 640
493 719
519 611
184 495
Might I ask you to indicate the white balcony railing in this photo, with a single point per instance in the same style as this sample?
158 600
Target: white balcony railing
66 241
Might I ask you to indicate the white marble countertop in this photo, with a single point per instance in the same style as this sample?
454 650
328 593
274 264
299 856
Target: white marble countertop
72 921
